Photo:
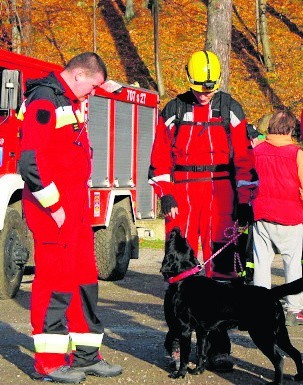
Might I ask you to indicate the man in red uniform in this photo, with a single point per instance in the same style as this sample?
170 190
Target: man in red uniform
55 165
201 165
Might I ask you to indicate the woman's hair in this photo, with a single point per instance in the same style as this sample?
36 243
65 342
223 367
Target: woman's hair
282 122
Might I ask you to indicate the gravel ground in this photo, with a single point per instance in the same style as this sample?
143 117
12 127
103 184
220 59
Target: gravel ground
132 312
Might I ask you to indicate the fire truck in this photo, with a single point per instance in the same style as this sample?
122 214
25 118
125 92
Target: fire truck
121 127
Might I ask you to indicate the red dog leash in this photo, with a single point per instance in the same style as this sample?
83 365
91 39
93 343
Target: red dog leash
232 233
185 274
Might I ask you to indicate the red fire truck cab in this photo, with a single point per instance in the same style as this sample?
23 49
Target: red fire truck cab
121 129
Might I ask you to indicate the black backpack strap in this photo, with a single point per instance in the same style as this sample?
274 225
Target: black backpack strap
180 111
181 108
225 102
183 104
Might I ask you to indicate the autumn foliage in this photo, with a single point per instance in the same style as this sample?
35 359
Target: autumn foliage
62 29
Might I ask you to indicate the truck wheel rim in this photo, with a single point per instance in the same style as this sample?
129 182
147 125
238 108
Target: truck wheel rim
11 252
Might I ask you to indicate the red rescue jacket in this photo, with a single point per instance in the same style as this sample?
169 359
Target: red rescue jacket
55 153
203 149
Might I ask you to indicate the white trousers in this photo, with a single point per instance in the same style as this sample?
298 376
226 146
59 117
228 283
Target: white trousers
271 239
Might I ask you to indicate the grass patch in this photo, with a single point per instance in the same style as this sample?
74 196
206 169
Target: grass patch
151 244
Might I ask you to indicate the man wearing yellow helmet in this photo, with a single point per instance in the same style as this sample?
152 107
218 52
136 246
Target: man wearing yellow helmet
203 72
201 163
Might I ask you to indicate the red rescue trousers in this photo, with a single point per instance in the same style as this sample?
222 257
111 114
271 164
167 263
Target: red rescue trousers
64 291
205 212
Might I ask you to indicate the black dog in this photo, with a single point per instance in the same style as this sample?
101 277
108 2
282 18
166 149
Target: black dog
203 304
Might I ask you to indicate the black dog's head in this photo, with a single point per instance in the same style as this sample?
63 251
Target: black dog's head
179 256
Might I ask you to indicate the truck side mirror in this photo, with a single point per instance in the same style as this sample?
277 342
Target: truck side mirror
9 90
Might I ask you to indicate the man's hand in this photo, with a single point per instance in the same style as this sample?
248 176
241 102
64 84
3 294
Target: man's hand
169 206
59 216
173 212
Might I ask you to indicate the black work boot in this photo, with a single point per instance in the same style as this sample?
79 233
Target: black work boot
63 375
100 369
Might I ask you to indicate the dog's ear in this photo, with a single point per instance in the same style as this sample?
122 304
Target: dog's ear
182 248
179 256
175 242
169 267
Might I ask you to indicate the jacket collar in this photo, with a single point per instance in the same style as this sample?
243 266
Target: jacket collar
279 139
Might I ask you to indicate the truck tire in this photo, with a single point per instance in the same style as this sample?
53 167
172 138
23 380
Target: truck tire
133 229
13 250
113 246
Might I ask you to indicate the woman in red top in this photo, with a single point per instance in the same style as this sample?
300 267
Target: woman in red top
278 209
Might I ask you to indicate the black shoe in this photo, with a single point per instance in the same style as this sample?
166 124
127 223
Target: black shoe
100 369
221 363
64 375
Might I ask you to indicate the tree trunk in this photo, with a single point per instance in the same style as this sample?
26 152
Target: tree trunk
218 37
94 27
5 33
129 10
258 38
26 21
15 25
264 36
160 84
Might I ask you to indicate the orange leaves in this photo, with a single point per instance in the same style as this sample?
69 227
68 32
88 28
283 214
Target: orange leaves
63 29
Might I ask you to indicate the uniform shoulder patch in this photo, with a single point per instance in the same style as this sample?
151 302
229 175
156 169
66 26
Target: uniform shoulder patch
43 116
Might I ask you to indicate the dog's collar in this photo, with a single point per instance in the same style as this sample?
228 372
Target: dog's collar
184 274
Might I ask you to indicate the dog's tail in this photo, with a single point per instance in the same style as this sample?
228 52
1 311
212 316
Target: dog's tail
290 288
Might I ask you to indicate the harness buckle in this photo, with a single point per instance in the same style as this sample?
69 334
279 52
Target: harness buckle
200 168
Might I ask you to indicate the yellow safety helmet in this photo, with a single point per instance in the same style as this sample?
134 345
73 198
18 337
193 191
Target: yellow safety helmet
203 71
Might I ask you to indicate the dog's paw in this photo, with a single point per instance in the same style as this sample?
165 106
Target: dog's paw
196 370
177 374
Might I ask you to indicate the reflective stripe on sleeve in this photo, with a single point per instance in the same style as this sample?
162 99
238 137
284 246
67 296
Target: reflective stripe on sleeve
86 339
65 116
187 117
159 178
48 196
51 343
234 120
